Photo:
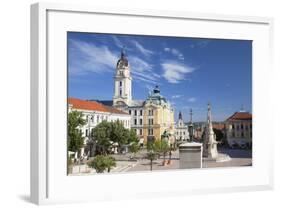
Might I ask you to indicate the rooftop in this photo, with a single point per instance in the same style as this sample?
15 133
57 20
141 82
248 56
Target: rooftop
93 105
240 116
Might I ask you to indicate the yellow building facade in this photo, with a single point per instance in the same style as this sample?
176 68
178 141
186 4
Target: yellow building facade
158 116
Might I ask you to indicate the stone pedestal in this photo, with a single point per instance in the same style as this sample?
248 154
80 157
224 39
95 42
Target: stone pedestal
190 155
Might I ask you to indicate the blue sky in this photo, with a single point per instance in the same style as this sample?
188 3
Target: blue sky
189 71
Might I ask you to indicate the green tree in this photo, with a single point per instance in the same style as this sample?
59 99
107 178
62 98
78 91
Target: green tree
134 148
102 134
219 135
101 163
161 146
119 134
151 155
109 163
133 137
75 138
164 149
107 133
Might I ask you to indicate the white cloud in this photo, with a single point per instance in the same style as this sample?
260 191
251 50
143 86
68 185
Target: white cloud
167 49
176 96
117 42
88 57
92 58
200 44
192 99
203 43
142 49
142 70
174 72
175 52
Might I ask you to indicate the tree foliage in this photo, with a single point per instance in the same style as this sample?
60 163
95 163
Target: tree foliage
219 134
75 138
134 148
101 163
107 133
102 134
151 155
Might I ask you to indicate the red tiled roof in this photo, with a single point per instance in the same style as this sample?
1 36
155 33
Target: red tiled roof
240 116
92 105
219 126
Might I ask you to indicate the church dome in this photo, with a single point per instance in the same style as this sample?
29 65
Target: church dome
123 61
156 90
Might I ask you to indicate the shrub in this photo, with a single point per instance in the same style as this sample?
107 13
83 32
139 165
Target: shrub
101 163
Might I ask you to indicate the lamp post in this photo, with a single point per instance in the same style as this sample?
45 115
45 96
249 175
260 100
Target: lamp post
190 126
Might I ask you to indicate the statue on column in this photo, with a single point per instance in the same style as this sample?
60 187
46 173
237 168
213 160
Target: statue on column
209 140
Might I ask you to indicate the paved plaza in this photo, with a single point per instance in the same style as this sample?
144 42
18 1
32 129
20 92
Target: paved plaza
125 163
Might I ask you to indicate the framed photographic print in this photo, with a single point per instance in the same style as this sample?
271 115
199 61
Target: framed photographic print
149 103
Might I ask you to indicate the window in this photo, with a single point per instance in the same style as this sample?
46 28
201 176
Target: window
242 134
233 126
246 127
140 121
150 131
141 112
98 118
150 121
130 112
86 132
242 127
140 131
136 113
233 134
135 121
120 92
237 127
150 112
120 84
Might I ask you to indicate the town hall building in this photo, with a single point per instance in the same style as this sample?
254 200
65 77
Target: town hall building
150 118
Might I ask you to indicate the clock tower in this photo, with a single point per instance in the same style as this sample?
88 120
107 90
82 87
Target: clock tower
122 83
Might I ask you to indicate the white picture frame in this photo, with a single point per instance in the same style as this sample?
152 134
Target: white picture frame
49 181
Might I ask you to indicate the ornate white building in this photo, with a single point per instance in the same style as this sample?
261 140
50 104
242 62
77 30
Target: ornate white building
181 130
150 117
94 113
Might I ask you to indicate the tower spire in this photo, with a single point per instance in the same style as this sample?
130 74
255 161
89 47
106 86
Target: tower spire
122 82
123 52
180 116
190 113
209 119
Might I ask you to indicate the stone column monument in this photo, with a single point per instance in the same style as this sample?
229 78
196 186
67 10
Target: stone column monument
209 144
